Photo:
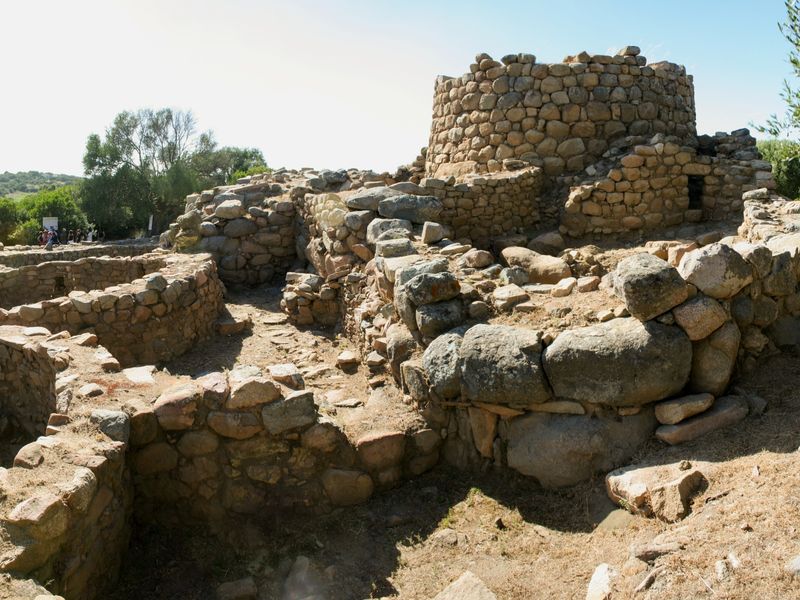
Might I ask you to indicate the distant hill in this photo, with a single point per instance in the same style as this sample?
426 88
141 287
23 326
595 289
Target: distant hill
16 185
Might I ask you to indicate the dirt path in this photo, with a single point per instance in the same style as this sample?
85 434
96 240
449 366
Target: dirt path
524 542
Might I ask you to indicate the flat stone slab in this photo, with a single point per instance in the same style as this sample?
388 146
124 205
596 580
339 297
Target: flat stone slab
726 411
676 410
141 375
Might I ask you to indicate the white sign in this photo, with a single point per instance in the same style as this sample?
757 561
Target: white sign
48 222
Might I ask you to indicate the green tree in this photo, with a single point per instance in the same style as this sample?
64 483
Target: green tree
9 219
61 203
147 162
785 158
790 29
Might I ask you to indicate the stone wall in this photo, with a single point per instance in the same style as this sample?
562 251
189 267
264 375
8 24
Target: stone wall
143 322
18 256
250 442
27 383
485 207
32 283
560 117
65 503
663 184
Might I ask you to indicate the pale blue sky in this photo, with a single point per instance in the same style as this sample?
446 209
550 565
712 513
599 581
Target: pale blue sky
339 84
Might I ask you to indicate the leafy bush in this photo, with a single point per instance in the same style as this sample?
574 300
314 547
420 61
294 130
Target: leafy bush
785 158
8 218
61 203
254 170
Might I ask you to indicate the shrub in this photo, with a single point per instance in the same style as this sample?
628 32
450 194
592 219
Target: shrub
785 158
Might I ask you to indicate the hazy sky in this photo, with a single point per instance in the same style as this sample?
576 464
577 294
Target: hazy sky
339 83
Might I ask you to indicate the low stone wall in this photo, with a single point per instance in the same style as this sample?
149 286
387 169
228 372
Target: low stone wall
249 442
481 208
65 504
250 235
27 382
143 322
18 256
32 283
651 187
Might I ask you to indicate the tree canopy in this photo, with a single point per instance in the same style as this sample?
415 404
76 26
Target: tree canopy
147 162
790 121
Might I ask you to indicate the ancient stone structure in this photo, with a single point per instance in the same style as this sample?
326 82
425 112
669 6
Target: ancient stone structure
560 116
464 291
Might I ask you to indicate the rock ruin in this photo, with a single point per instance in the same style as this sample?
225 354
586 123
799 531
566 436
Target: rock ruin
474 286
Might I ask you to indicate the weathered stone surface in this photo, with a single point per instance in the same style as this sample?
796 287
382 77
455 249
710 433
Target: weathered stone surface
442 366
252 391
381 449
713 360
502 365
176 407
540 267
158 457
726 411
648 285
435 319
416 209
661 491
432 232
215 389
114 423
29 456
561 450
506 296
476 259
198 443
623 362
467 587
676 410
45 515
484 428
717 270
229 209
380 226
369 198
347 487
394 247
427 288
700 316
236 425
295 410
240 228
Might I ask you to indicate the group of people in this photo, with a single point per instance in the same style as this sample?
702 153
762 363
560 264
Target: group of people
49 236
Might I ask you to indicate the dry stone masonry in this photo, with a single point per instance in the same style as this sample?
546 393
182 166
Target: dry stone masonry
466 279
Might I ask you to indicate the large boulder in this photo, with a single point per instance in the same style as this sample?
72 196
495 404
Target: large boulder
562 450
368 198
229 209
700 316
427 288
503 365
713 360
240 228
648 285
377 227
416 209
717 270
540 267
435 319
442 366
623 362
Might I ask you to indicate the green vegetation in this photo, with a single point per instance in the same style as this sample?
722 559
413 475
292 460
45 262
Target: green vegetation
17 185
21 221
785 158
147 162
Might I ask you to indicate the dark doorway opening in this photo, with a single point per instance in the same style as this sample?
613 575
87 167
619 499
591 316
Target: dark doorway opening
695 192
